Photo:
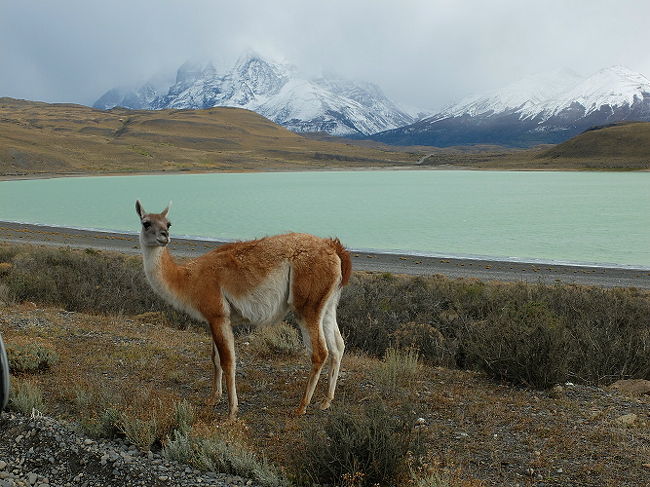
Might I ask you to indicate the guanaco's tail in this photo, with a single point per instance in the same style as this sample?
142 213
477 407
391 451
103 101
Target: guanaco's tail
346 262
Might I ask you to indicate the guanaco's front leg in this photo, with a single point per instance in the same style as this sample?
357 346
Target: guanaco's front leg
224 342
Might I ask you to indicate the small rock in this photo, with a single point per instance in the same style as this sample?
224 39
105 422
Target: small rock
163 477
632 387
88 441
627 419
556 391
3 465
32 478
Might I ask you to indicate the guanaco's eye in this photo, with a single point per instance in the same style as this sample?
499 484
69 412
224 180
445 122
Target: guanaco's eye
146 224
168 225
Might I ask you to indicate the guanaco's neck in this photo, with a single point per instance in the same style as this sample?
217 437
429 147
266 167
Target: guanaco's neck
164 275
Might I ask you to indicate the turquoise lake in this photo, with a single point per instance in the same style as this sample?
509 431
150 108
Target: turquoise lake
564 216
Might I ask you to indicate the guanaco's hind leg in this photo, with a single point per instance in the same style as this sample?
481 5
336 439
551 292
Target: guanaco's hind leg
217 378
335 346
318 356
225 350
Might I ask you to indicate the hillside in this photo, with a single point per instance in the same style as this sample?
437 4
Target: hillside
619 147
625 144
41 138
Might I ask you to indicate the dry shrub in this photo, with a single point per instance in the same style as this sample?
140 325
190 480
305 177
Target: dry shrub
30 358
601 334
429 343
5 267
94 281
281 340
362 449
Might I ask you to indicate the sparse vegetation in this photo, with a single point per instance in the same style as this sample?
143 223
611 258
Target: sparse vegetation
474 431
281 340
76 139
530 334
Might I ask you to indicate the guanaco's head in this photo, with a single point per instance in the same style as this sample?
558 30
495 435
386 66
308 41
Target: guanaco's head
155 226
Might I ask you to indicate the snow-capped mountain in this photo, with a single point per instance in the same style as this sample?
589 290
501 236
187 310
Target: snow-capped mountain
545 108
276 91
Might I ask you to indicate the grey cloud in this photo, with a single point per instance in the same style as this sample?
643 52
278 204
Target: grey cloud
424 53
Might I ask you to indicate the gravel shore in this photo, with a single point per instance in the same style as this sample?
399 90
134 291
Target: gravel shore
363 260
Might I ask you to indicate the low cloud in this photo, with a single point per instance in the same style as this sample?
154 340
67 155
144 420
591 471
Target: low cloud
423 53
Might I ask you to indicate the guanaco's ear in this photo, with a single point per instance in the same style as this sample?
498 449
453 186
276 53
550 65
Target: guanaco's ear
138 208
166 210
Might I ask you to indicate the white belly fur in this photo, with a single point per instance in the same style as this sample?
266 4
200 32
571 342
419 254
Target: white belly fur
267 304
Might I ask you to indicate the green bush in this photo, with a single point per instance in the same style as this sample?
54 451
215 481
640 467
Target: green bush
371 448
30 358
525 345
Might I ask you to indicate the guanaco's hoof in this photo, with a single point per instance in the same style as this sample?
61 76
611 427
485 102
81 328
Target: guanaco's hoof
325 404
300 412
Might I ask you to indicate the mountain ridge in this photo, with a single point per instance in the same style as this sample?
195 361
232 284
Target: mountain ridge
275 90
540 109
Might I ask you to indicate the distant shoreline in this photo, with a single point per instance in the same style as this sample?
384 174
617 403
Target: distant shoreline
415 264
413 167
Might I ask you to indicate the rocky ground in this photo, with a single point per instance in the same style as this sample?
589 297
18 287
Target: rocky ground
40 451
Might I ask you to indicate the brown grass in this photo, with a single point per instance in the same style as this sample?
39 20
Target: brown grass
41 138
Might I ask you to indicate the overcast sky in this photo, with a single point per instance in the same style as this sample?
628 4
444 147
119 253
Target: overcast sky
424 53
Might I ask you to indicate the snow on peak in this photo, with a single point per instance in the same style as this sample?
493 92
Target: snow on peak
615 86
545 95
526 95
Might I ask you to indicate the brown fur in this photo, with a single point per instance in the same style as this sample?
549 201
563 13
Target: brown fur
317 268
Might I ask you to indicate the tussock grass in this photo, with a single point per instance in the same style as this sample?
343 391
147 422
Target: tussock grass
398 371
143 433
219 454
26 397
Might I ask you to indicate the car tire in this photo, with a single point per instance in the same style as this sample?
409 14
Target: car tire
4 376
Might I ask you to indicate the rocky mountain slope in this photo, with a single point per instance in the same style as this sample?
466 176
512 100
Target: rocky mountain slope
275 90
